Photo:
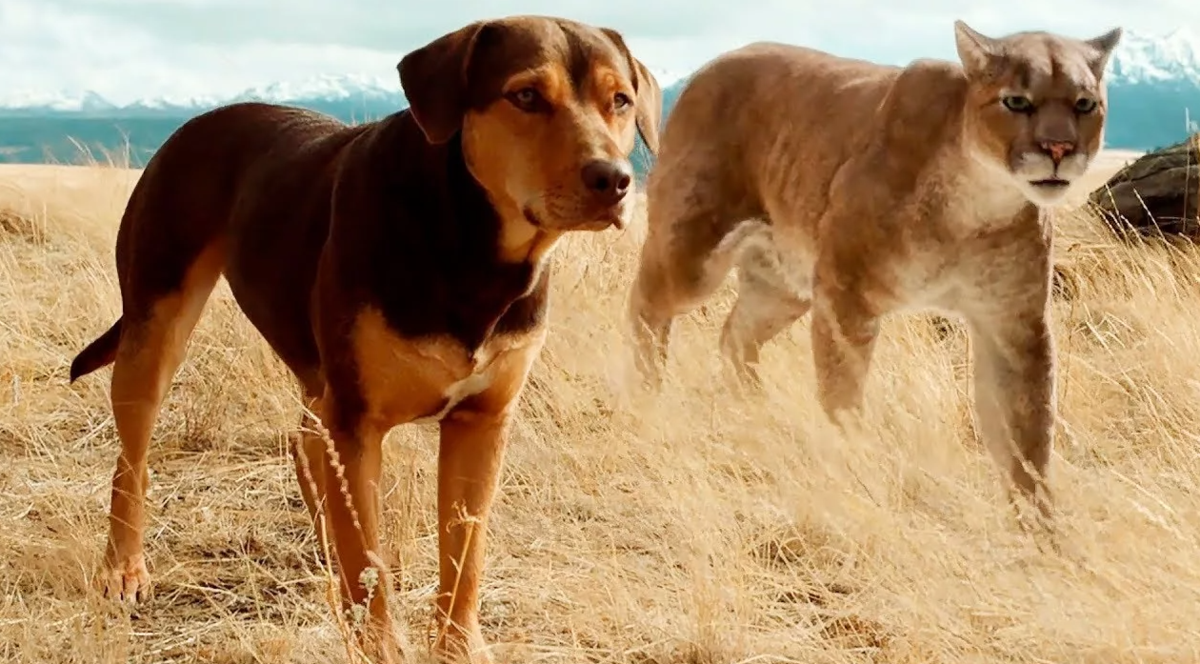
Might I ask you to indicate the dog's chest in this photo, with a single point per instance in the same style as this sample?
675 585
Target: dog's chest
422 380
478 378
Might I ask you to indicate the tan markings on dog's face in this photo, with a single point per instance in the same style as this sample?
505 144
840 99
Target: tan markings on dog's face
548 109
550 141
1036 106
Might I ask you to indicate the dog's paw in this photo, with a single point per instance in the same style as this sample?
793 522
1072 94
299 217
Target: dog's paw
126 581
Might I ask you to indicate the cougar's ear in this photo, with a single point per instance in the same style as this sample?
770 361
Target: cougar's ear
1104 45
649 96
434 80
975 50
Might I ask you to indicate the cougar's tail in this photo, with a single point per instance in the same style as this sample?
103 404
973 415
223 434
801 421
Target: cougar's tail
749 235
99 353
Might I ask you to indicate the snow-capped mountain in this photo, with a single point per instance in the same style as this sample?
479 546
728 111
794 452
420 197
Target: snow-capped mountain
1141 59
1154 90
1154 93
328 86
324 88
59 101
1146 58
667 78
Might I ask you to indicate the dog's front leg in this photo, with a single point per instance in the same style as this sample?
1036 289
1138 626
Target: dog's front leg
473 439
472 450
352 511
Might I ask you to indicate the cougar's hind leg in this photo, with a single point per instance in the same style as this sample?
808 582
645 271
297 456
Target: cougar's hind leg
690 247
767 304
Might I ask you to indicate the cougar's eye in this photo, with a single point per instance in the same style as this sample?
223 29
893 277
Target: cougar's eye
1017 103
1085 105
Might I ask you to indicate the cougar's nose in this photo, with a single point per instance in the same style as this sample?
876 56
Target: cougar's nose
1058 150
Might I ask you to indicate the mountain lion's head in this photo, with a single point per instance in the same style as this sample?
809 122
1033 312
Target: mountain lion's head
1036 105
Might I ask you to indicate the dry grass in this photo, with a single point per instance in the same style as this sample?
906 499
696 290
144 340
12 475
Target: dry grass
692 530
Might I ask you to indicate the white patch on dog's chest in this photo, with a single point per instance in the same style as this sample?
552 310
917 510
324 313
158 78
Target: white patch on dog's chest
407 380
474 383
477 372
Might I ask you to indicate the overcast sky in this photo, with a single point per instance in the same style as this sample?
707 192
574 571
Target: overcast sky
128 49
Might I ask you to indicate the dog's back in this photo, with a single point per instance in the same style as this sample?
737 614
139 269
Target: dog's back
240 179
216 161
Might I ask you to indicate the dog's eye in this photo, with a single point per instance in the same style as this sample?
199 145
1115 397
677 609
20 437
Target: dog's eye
526 99
1017 104
1085 105
621 100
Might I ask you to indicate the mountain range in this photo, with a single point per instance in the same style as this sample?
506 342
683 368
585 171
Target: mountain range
1154 93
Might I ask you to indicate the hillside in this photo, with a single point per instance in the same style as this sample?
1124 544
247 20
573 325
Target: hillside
696 529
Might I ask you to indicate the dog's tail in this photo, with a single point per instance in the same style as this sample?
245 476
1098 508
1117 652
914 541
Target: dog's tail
99 353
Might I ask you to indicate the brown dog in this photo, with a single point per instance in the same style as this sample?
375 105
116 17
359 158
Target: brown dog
397 268
860 190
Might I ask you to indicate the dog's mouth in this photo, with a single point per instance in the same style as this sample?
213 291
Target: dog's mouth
609 218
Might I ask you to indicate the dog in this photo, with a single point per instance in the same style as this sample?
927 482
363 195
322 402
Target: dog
398 268
857 190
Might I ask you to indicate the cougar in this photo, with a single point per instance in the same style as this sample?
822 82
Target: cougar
856 190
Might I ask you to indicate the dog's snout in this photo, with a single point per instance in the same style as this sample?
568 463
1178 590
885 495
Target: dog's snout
1058 150
608 179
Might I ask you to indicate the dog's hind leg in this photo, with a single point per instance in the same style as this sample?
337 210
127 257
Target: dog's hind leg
154 336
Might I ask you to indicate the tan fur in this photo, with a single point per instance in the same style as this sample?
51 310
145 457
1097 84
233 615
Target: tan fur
519 156
857 190
473 397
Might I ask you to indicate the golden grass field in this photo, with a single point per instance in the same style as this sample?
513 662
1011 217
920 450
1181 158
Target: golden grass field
696 529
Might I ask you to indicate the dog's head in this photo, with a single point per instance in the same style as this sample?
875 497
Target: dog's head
548 109
1036 105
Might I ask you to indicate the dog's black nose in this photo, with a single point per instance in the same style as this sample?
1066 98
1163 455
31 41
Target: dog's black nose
609 179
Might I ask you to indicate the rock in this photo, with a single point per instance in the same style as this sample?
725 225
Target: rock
1154 195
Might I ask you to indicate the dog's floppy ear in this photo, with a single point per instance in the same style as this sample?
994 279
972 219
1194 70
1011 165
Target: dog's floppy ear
434 79
649 95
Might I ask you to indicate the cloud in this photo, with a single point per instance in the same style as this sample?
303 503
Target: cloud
126 49
51 46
